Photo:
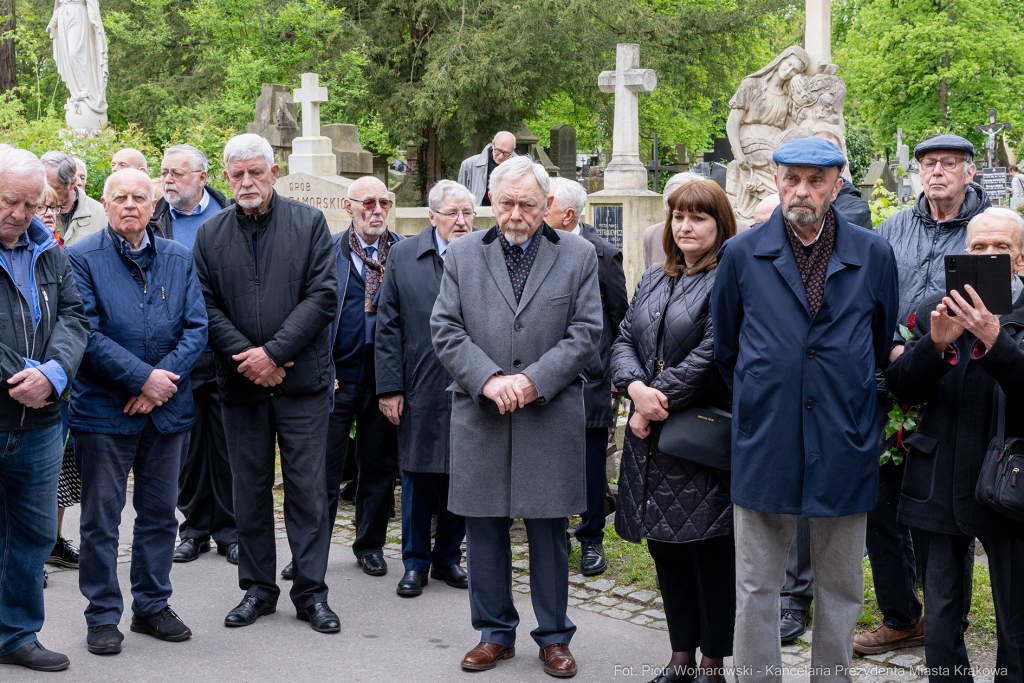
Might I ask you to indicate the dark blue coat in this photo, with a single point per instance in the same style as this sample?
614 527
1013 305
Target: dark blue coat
805 424
136 327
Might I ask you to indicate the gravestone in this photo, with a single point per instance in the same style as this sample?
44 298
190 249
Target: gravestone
276 120
719 174
563 150
608 222
312 153
994 181
878 170
723 150
683 160
528 143
352 160
905 183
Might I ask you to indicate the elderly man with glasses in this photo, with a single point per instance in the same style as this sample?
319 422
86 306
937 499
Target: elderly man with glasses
81 215
475 172
921 237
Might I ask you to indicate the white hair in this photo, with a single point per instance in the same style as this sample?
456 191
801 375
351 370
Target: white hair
517 168
444 189
67 172
570 195
677 181
1005 214
81 161
22 162
248 146
106 183
196 156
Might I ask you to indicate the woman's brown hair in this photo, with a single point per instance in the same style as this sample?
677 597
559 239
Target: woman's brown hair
50 196
699 196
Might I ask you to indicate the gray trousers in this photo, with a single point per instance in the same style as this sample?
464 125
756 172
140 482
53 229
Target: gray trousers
762 549
798 591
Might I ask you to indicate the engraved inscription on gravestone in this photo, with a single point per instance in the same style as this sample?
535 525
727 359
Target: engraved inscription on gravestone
608 221
994 182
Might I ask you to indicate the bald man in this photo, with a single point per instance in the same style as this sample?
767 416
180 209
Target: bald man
128 158
765 208
475 172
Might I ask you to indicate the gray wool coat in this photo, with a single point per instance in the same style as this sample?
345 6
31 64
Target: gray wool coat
529 463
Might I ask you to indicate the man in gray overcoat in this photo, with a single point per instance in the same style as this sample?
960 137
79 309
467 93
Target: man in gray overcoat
517 318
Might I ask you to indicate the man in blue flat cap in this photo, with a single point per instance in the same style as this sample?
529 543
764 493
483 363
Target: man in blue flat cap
805 308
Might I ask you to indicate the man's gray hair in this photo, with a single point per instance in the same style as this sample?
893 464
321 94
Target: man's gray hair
1005 214
106 184
82 162
444 189
22 162
67 171
570 195
677 181
198 159
248 146
517 168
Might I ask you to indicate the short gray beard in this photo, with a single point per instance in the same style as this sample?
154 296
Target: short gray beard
375 232
804 220
251 203
516 233
182 198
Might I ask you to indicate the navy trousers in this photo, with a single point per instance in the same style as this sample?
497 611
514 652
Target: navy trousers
591 528
489 563
104 461
419 490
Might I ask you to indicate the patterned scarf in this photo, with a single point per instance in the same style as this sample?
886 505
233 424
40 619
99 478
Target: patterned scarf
518 261
813 263
373 268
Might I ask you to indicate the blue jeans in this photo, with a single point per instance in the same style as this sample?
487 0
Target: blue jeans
29 470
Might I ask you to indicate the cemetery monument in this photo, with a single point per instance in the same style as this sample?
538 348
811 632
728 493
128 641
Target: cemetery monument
80 53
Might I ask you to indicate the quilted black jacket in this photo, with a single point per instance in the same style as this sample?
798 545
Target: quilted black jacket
661 497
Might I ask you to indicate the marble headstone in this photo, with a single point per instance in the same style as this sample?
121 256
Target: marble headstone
353 160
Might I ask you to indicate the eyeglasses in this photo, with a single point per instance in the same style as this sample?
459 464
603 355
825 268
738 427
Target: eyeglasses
524 206
502 153
43 208
368 204
177 175
948 163
467 215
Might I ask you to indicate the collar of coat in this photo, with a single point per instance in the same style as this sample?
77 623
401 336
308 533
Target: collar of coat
260 220
547 231
115 239
425 241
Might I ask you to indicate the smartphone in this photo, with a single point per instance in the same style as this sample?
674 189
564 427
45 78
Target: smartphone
989 275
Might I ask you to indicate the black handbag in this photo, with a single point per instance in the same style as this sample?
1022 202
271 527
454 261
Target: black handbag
1001 483
700 434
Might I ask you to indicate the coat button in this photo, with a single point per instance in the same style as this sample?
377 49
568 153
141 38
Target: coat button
809 404
810 353
518 326
517 362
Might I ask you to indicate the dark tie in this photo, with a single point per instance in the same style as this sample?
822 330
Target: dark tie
371 252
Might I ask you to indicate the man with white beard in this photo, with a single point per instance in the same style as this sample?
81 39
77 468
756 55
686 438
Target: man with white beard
187 202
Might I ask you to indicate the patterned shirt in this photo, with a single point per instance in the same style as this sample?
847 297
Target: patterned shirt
518 261
812 259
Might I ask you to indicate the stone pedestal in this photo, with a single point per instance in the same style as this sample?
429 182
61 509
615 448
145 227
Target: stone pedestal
312 155
353 160
621 216
87 121
325 192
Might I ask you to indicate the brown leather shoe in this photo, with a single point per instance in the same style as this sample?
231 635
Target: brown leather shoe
884 639
558 661
485 656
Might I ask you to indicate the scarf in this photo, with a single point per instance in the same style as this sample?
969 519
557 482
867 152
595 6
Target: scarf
813 263
373 268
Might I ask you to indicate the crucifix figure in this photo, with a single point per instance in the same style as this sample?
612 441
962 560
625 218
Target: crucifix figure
310 96
655 166
992 130
626 171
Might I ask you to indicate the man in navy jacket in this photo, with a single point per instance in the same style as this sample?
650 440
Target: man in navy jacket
804 308
131 407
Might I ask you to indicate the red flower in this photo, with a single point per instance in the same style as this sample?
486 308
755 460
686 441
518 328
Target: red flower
910 322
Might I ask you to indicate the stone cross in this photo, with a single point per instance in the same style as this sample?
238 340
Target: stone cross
902 151
655 166
899 137
310 96
626 171
818 30
992 130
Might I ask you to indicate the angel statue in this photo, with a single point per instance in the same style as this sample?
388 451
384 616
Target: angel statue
80 51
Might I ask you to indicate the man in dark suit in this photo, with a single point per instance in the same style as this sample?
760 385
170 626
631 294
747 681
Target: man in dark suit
413 389
568 198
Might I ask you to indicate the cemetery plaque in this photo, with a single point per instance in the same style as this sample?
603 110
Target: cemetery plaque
994 182
608 221
563 150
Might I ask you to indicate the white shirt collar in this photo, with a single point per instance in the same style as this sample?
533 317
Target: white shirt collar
576 229
816 237
371 244
204 202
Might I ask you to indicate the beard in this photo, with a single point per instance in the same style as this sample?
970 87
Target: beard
179 198
516 232
252 201
375 229
810 215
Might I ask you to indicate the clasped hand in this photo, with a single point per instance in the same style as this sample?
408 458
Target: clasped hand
159 388
30 388
510 391
650 405
976 319
257 367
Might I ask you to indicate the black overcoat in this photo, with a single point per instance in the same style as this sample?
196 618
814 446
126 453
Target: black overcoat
404 356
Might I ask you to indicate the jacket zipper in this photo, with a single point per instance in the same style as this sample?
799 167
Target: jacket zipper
46 303
24 332
256 273
931 259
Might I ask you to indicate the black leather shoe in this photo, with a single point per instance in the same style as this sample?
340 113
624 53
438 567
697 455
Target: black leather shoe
321 618
248 611
792 625
189 550
680 674
348 492
412 583
454 575
373 563
230 550
288 573
104 640
164 625
63 554
36 657
593 562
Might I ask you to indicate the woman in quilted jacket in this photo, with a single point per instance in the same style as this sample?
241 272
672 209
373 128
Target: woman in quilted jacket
664 359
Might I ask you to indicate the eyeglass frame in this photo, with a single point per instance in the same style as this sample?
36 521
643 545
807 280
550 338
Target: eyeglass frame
175 174
370 203
939 162
502 153
468 219
41 211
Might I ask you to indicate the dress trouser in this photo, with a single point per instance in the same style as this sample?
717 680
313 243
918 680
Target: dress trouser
763 541
29 470
376 456
105 460
204 487
419 491
298 426
798 591
944 626
489 563
698 585
591 528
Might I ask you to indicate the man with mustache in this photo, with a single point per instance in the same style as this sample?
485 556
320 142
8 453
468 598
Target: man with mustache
268 276
204 495
804 308
516 322
413 389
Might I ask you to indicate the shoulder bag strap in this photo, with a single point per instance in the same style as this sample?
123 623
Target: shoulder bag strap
659 360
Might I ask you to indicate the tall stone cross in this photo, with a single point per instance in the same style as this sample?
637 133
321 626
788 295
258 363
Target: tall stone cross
992 130
902 151
899 137
626 171
818 30
310 96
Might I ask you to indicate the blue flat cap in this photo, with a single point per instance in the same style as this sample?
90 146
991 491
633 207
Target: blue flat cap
953 143
809 152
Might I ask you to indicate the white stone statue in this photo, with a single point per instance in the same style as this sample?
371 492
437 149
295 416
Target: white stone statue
80 51
778 103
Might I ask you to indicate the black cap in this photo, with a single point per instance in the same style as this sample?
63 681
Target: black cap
952 143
